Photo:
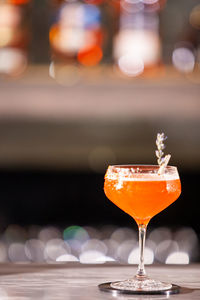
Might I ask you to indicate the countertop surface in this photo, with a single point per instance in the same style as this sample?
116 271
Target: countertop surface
77 281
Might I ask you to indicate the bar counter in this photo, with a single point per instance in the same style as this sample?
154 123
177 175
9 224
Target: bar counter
79 281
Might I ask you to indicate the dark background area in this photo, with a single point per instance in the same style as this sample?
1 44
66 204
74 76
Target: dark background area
65 198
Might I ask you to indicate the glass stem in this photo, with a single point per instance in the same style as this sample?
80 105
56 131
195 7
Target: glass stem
142 234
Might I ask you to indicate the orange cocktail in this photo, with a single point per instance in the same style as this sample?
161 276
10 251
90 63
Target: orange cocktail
140 191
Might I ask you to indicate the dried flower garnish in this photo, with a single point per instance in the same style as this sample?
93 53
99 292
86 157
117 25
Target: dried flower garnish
162 161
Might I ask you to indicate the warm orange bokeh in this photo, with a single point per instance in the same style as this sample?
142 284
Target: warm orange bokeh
18 2
143 199
95 2
54 30
90 56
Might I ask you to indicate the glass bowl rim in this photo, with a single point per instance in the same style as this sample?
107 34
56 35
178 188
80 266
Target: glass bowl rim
142 169
140 165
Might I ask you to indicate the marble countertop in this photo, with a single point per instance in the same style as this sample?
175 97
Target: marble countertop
77 281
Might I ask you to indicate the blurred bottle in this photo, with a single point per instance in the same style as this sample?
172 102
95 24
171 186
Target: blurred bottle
13 36
186 52
76 35
111 13
137 45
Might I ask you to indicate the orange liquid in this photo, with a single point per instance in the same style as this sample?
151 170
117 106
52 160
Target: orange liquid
142 199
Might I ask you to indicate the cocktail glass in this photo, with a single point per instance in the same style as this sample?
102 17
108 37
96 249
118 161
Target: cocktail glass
142 193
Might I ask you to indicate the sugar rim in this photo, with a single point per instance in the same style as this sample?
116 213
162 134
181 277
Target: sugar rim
137 173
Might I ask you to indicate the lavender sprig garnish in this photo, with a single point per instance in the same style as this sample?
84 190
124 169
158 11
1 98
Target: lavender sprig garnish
162 161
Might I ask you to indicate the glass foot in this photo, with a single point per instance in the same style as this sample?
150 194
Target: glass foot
145 284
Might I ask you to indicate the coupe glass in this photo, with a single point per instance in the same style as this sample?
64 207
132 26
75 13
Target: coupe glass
142 193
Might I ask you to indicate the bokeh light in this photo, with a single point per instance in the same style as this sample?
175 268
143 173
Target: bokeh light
124 249
183 59
66 258
164 248
3 252
13 40
34 250
55 248
48 233
10 18
123 234
195 17
160 234
90 56
65 74
150 1
132 6
135 49
111 245
12 61
77 34
18 2
131 65
92 245
94 1
75 232
92 257
16 253
178 258
133 257
15 233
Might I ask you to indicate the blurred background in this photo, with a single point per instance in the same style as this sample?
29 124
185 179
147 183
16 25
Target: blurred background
84 84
